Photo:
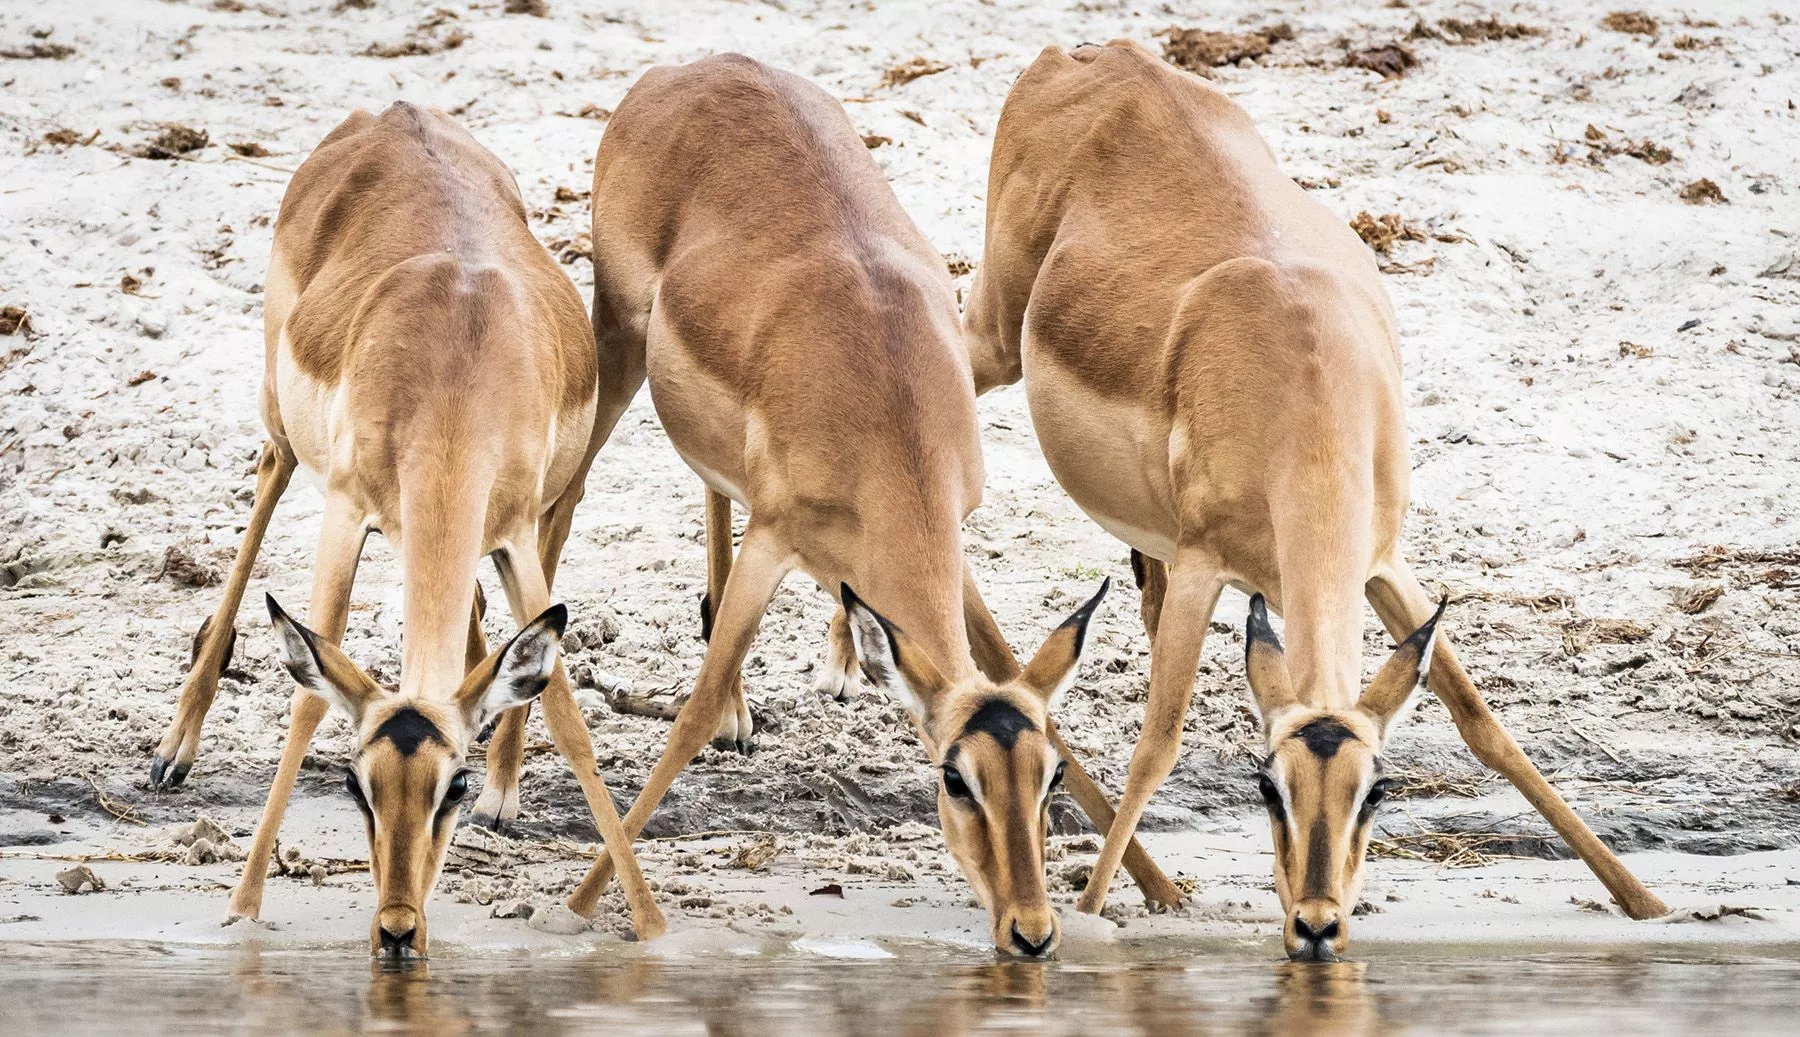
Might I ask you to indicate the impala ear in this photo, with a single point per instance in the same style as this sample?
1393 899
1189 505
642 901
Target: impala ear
320 666
1052 670
516 674
890 660
1265 665
1395 691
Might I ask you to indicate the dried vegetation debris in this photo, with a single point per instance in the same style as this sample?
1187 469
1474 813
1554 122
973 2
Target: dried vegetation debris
1461 32
181 566
1197 50
172 141
1703 192
37 50
907 71
434 34
1390 60
15 320
1635 23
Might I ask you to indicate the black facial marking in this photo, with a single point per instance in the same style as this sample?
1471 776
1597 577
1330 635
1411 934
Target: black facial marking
1318 860
1323 736
407 729
1001 720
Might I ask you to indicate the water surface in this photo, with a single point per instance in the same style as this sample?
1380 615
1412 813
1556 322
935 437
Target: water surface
146 990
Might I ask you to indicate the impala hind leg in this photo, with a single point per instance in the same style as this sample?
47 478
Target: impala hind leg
334 570
1403 607
528 593
736 725
218 634
1152 578
994 658
1192 592
761 564
837 675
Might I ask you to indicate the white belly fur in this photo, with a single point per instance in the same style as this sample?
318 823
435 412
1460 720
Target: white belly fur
1110 456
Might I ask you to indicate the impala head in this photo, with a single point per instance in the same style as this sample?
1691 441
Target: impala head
996 764
1322 778
408 774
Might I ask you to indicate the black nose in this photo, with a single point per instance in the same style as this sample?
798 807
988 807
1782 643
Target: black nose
1315 944
397 943
1029 949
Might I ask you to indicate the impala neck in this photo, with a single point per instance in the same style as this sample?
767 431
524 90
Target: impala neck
1323 555
443 518
918 586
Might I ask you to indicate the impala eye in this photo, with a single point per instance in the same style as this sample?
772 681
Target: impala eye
1377 793
458 788
354 787
954 783
1056 778
1270 794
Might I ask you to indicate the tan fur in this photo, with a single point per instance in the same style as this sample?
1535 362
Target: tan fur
431 367
1214 376
802 346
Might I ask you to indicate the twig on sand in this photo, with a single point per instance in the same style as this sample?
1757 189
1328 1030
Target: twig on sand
122 811
1596 743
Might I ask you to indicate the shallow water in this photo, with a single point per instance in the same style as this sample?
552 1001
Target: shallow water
145 990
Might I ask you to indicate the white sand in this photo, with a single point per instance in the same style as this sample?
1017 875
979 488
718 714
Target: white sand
1549 458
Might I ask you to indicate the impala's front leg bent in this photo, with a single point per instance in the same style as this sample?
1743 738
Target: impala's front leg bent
761 564
334 571
212 646
1403 606
1174 658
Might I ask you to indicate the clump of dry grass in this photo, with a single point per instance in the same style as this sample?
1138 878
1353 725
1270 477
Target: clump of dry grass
1198 50
1458 32
907 71
428 37
1580 634
1389 60
174 141
1703 192
1449 849
1635 23
1381 232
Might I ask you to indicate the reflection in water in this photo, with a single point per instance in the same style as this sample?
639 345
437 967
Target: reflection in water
145 990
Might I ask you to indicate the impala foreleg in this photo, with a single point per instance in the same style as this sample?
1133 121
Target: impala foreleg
1174 658
1403 606
528 593
212 646
498 805
334 571
761 564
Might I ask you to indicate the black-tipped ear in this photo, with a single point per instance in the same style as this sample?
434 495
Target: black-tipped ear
299 648
521 671
1257 629
1053 669
1079 618
889 659
1265 665
1391 696
318 665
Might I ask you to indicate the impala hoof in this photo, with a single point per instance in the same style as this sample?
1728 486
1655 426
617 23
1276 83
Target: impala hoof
167 775
492 822
741 746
